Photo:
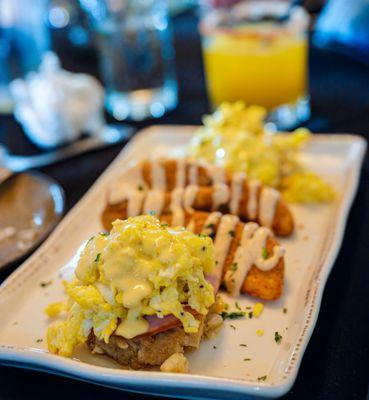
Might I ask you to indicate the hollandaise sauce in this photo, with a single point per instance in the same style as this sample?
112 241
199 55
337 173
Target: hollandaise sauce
142 269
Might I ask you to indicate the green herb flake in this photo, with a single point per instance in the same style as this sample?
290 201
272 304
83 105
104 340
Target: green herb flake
202 235
233 327
233 267
39 340
140 188
264 253
277 337
247 359
45 284
203 248
285 310
214 347
104 234
231 233
97 258
237 305
250 314
210 226
248 308
243 345
262 378
233 315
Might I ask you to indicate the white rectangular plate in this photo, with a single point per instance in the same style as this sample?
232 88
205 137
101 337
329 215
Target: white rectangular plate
218 368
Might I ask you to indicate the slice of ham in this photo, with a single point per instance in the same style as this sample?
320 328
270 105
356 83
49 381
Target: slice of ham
157 325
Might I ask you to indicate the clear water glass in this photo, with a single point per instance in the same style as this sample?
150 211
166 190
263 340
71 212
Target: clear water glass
134 42
24 39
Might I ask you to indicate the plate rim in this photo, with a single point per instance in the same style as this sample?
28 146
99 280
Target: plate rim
28 358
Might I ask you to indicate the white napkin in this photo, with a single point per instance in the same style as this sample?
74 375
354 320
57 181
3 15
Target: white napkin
55 106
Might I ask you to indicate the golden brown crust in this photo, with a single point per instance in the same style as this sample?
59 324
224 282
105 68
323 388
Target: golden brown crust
282 226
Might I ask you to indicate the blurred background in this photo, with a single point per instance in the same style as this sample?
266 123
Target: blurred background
147 56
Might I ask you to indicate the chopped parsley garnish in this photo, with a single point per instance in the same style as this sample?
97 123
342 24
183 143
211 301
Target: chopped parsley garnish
233 315
216 262
231 233
201 235
248 308
210 226
264 253
262 378
45 284
214 347
251 314
237 305
233 267
39 340
247 359
203 248
277 337
201 286
243 345
164 224
285 310
97 258
233 327
140 188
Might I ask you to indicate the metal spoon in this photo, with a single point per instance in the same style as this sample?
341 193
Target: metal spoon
30 206
112 134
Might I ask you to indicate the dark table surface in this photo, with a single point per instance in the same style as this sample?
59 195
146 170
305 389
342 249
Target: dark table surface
336 362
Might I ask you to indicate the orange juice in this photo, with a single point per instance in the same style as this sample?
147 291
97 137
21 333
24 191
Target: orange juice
256 65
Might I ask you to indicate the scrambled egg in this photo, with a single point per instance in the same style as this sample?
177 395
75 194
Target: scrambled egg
236 137
141 268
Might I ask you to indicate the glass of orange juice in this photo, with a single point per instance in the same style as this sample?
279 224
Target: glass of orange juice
257 52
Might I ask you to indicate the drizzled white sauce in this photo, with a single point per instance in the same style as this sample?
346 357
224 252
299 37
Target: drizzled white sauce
220 195
193 173
131 180
158 174
131 187
223 240
236 192
269 198
252 201
154 201
189 197
180 173
210 222
249 253
178 215
135 198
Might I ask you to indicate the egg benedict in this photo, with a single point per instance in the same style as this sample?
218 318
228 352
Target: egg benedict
141 293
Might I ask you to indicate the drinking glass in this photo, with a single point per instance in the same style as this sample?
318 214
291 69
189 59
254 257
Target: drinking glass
134 42
23 40
256 51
